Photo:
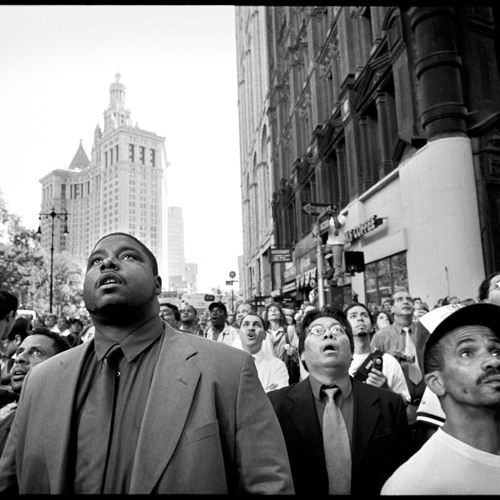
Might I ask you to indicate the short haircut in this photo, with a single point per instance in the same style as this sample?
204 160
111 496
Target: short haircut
174 309
400 289
484 287
149 253
60 343
433 358
192 308
76 320
253 313
325 312
354 304
8 303
251 304
22 327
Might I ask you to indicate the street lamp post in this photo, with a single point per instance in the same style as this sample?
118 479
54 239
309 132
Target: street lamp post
53 214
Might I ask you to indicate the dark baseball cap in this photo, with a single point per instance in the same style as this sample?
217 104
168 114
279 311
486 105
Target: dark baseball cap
220 305
444 319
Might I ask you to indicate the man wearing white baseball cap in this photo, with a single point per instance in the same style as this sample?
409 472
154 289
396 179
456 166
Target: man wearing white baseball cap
461 362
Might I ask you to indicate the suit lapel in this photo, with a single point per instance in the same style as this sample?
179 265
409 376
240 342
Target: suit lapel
302 411
62 400
365 415
167 408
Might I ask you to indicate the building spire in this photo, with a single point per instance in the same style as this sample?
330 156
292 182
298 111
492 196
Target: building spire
116 115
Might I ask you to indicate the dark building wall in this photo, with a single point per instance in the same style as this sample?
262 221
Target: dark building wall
357 90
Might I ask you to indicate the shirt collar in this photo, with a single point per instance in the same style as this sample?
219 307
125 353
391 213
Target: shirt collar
135 343
344 383
259 356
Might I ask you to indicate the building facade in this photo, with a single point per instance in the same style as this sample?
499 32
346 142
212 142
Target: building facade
120 188
176 264
392 113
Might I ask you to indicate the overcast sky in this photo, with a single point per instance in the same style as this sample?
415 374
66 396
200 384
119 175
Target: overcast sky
178 65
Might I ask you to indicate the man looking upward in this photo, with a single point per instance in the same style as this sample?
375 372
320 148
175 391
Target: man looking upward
399 340
142 408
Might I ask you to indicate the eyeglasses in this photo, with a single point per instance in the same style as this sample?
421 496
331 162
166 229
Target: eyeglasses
321 330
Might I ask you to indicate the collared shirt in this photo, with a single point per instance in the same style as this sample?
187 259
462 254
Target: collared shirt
392 339
272 372
141 350
344 401
227 335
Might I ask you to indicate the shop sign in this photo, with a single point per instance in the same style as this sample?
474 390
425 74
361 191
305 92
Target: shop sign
290 273
280 255
290 287
363 228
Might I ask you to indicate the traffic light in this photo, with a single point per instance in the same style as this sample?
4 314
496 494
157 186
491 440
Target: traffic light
354 262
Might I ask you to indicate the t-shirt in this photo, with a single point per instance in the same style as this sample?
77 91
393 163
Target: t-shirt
446 466
338 239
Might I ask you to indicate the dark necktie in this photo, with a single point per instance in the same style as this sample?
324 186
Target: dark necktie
337 448
107 381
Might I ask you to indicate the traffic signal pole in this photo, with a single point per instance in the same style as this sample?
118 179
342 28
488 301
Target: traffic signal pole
319 260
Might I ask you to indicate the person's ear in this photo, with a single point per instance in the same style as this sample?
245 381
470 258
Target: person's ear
435 382
158 284
18 340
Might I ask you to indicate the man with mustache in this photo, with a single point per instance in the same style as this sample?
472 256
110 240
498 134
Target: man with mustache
399 340
40 344
462 367
142 408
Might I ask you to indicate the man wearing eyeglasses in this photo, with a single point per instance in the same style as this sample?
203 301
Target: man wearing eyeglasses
342 436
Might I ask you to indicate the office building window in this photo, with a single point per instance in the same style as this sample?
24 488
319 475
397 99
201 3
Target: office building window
142 154
116 153
384 276
152 157
131 153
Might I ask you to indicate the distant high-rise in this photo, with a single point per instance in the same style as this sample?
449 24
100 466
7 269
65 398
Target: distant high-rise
176 269
121 188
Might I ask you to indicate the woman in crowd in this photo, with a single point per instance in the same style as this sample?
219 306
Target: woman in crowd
282 339
381 319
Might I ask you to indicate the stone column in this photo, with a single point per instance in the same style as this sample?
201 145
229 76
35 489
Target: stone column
438 71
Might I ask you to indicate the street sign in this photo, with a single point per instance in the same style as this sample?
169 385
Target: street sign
280 255
230 282
232 274
316 208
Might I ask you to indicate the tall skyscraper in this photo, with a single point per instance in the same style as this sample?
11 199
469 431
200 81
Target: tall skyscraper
176 269
121 188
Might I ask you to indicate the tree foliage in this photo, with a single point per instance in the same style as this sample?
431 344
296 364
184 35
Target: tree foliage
25 269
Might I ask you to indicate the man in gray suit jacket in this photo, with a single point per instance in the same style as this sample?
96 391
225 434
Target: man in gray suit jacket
184 414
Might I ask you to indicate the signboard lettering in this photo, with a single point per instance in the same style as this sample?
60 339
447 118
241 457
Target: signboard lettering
363 228
281 255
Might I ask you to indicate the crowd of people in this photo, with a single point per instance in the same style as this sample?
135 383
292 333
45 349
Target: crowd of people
393 398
